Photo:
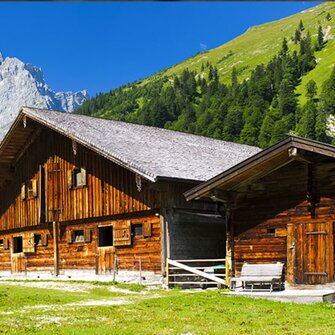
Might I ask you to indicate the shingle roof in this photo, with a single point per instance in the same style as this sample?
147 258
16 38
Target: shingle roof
149 151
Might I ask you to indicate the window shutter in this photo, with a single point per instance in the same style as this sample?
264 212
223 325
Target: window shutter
146 229
69 179
83 176
23 191
6 243
28 242
69 236
44 239
122 233
88 235
34 187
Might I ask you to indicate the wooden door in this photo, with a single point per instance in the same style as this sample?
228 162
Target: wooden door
53 192
18 262
310 254
106 260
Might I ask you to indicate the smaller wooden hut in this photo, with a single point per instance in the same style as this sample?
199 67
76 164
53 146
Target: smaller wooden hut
280 206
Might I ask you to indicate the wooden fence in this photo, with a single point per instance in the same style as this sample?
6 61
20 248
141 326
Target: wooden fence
197 272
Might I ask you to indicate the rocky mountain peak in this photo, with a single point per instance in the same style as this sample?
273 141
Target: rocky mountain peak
24 84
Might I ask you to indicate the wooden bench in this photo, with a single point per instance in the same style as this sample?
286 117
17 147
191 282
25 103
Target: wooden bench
259 274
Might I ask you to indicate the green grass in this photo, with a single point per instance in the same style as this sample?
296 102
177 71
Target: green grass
153 312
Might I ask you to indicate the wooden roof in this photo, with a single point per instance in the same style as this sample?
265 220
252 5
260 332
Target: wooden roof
151 152
282 153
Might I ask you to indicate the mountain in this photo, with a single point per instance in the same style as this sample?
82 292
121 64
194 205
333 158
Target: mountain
24 85
272 80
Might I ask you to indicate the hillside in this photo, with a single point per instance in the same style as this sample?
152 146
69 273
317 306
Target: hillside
214 93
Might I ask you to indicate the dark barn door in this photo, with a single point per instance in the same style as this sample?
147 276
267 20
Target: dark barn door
310 257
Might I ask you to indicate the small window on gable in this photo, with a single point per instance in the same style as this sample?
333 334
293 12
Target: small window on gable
29 189
38 239
271 231
137 230
77 177
78 236
17 244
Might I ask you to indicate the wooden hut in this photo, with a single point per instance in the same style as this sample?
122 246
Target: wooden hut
280 206
88 195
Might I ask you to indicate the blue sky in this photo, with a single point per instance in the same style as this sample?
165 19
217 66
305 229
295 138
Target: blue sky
102 45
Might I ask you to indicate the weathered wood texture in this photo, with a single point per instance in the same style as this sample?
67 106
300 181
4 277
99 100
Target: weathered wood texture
110 188
87 255
273 214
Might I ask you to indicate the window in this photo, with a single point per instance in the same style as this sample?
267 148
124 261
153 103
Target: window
106 236
78 236
137 230
77 178
271 231
38 239
29 189
1 244
17 244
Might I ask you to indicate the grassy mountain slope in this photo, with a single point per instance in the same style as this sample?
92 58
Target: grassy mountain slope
260 43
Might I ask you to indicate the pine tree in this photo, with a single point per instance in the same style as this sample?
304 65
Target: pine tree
311 89
301 26
297 36
287 101
327 96
320 41
233 124
284 47
234 82
328 17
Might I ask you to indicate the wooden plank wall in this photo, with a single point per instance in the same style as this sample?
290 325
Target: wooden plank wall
265 208
261 216
110 189
83 255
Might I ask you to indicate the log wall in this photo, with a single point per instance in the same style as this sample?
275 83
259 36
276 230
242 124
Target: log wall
264 210
85 255
110 188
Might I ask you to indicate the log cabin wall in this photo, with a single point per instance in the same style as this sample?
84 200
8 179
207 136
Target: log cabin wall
43 191
142 249
110 189
268 211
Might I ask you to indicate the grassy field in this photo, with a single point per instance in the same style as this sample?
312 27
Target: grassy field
90 308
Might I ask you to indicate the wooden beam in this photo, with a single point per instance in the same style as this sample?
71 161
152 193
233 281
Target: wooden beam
261 174
27 145
55 229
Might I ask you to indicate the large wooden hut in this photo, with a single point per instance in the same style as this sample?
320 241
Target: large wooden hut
88 195
280 206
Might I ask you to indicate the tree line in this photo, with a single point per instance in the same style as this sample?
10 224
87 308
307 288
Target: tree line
258 111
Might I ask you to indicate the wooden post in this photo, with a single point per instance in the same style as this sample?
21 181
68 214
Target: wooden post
227 271
163 240
140 266
56 251
167 272
229 239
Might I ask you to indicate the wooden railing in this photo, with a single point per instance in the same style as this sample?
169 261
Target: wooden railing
197 272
